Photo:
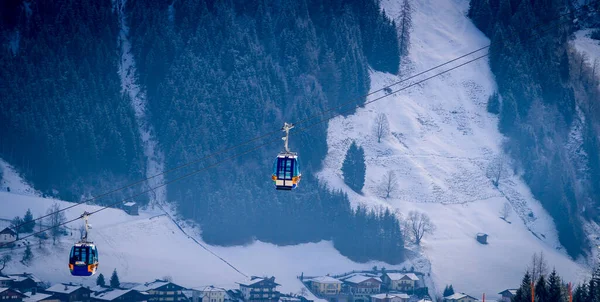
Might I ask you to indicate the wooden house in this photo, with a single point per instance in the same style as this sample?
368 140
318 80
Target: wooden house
325 285
260 290
162 290
70 292
405 282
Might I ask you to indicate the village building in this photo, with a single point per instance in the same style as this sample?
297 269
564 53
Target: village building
69 292
40 297
5 281
214 294
362 287
25 282
400 282
507 294
325 285
260 290
131 208
459 297
161 290
402 297
10 295
7 235
111 294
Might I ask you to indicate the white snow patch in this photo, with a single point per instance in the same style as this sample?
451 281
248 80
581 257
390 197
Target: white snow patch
441 142
127 73
11 179
149 246
588 46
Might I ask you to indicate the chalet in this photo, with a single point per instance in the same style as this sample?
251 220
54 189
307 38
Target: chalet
40 297
161 290
507 294
400 282
131 208
7 235
325 285
5 281
10 295
260 290
459 297
25 282
402 297
111 294
192 295
214 294
69 292
362 287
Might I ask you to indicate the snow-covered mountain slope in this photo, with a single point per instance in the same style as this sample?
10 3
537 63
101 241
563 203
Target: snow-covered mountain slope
441 146
10 180
151 246
588 46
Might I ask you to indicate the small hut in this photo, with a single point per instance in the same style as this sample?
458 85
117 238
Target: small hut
131 208
482 238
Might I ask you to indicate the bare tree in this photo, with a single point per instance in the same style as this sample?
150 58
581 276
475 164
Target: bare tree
4 260
388 185
538 266
505 212
303 292
404 25
418 224
381 127
584 58
55 220
497 169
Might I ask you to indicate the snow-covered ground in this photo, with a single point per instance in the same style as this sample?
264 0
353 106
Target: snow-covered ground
588 46
441 145
127 73
151 246
11 179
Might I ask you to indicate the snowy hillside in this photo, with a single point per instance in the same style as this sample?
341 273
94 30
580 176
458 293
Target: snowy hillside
151 246
441 146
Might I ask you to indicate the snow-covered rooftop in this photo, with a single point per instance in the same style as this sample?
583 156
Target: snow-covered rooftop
359 278
383 296
63 288
22 277
129 204
326 279
457 296
150 286
37 297
399 276
110 294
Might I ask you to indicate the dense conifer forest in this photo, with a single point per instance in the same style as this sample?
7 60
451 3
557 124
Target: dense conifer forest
545 91
216 73
65 124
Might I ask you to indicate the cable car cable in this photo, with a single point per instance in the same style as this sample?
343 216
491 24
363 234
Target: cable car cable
304 120
267 143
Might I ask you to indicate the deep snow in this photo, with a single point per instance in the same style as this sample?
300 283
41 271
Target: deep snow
441 146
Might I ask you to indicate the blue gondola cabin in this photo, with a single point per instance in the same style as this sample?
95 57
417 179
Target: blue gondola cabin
83 260
286 171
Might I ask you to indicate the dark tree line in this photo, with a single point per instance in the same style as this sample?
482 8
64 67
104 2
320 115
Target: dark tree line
64 123
540 87
219 73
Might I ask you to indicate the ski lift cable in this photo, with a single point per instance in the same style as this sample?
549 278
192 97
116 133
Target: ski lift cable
301 121
278 139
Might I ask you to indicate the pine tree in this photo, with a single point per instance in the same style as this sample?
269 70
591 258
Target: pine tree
114 280
27 256
448 291
524 291
581 293
28 222
554 287
405 25
541 289
354 167
100 280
